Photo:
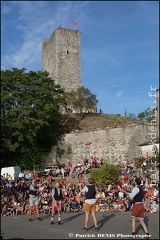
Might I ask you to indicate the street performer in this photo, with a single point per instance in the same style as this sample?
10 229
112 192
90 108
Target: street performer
90 191
34 199
137 195
57 197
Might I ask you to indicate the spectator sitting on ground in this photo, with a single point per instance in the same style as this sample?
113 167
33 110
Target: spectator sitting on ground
46 208
74 205
122 206
116 205
26 207
4 210
105 207
128 205
100 194
100 203
120 194
154 208
147 205
155 193
66 206
149 192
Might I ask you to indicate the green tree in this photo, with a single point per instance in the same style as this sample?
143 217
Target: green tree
82 100
146 115
132 116
30 116
107 174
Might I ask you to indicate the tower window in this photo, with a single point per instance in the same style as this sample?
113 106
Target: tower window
67 52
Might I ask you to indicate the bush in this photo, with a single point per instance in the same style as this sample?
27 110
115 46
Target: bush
105 175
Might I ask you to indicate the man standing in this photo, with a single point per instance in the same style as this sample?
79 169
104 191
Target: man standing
33 199
57 196
90 191
137 196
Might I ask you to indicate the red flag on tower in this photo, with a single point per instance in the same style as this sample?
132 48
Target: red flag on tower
74 23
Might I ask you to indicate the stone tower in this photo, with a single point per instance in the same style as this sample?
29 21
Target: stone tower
61 58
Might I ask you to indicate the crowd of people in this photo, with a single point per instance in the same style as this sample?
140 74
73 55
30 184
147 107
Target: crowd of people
15 194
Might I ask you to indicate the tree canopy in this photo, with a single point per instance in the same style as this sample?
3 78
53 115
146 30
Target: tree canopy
106 175
82 100
31 122
146 115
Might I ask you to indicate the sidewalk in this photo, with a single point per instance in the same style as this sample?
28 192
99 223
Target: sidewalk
112 226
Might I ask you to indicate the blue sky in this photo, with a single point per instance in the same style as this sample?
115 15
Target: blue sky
119 45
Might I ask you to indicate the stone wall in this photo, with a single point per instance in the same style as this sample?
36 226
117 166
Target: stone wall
112 145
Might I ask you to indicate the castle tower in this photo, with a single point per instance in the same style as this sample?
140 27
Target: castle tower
61 58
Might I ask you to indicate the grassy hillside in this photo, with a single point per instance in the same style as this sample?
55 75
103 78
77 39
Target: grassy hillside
96 120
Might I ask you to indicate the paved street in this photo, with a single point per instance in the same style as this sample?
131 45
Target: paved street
112 226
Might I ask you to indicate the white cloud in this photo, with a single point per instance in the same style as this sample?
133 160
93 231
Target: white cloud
119 93
5 9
